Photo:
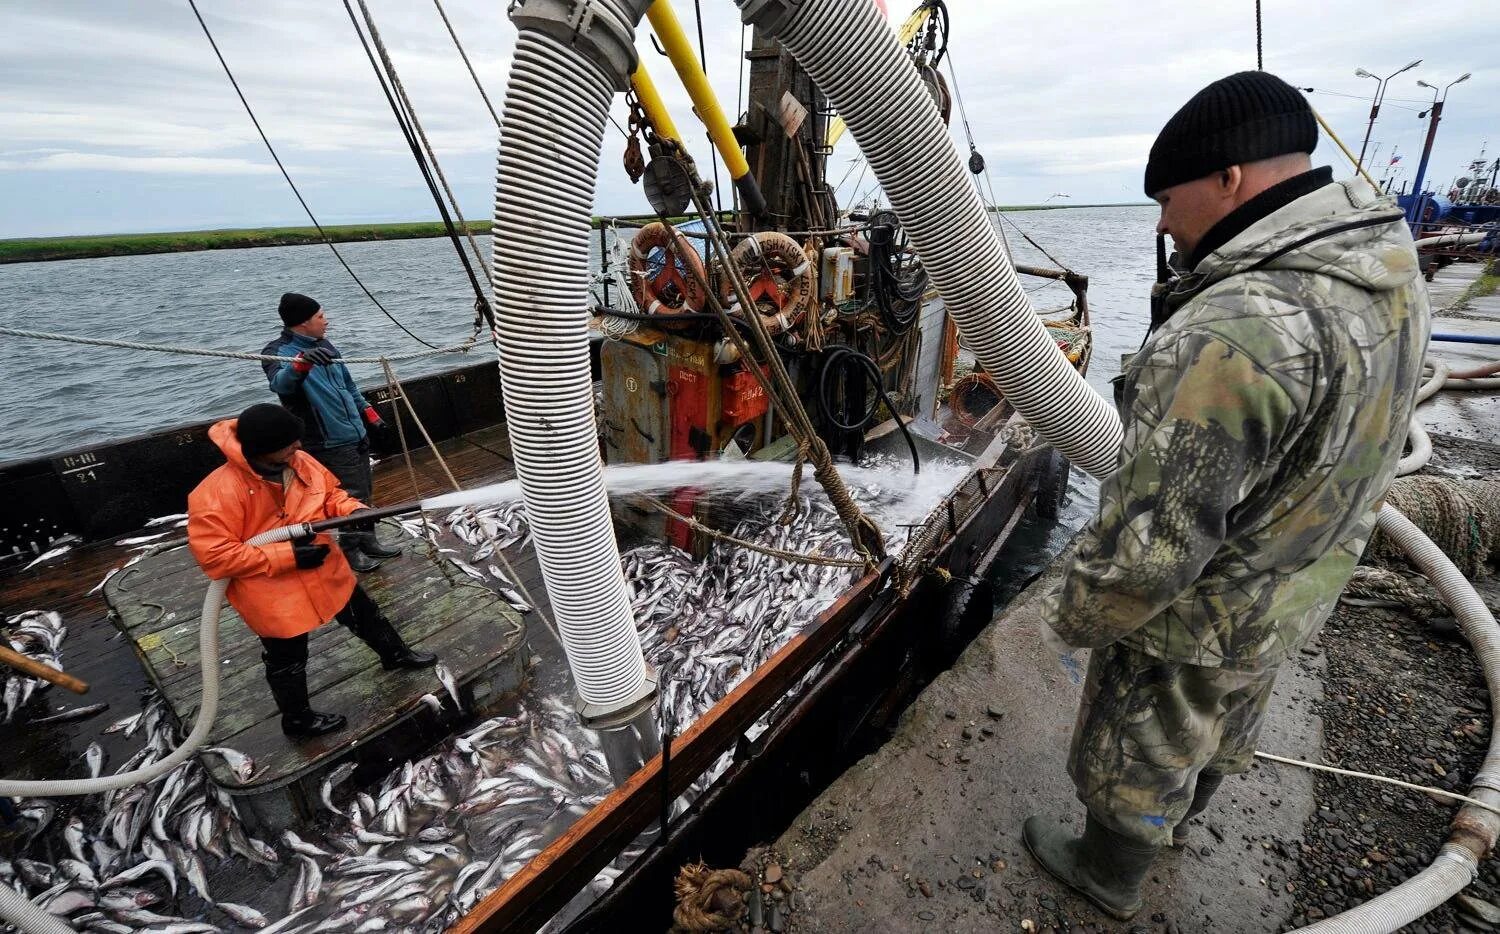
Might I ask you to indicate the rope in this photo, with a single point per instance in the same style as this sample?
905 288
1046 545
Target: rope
1460 516
1260 61
465 56
700 889
284 174
1350 773
406 120
229 354
795 557
778 383
1344 149
397 390
1383 587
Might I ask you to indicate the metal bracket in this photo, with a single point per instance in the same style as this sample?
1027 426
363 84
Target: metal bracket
771 15
602 30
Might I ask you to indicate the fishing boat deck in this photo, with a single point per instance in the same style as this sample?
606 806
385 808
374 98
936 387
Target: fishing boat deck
474 632
470 627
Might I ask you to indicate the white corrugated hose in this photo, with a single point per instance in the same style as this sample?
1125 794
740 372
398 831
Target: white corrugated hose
551 132
853 56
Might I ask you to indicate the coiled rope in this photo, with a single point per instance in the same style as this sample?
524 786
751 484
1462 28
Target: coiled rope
228 354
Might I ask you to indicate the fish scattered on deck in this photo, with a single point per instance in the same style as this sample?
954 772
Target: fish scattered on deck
77 713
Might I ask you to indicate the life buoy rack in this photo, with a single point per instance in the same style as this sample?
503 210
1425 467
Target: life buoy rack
781 279
672 284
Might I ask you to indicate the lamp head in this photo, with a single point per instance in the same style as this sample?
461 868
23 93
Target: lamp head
1409 67
1461 79
1361 73
1424 84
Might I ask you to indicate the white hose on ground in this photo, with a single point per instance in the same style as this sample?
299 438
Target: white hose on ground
22 912
550 139
1474 829
853 56
1417 437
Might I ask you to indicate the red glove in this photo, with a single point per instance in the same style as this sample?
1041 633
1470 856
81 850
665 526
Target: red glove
372 417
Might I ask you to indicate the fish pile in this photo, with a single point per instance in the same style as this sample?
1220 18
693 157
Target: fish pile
441 832
412 853
39 636
487 531
160 833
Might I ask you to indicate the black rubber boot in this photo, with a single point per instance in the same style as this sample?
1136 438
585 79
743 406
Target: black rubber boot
1104 867
298 719
370 544
394 653
1208 783
358 559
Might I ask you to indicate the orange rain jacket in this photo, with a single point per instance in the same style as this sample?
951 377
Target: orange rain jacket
233 504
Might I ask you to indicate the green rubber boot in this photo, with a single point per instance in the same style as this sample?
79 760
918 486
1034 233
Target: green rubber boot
1102 866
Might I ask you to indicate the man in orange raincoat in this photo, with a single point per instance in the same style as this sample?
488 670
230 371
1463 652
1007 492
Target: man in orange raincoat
285 590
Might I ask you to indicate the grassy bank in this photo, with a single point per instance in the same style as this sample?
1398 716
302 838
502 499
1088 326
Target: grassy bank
43 249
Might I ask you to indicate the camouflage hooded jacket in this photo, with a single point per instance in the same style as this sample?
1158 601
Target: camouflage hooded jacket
1263 422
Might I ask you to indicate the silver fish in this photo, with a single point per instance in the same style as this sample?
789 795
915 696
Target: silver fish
335 778
449 684
94 755
240 764
161 867
77 713
243 915
48 556
297 845
142 539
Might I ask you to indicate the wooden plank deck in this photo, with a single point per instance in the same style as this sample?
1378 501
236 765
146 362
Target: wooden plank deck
96 650
476 634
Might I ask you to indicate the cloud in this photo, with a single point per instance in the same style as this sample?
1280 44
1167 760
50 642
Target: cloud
106 162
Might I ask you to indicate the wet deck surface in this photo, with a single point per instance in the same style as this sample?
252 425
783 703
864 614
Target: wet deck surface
99 653
475 634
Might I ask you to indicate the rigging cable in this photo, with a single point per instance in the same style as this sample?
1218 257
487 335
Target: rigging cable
465 56
284 174
406 119
842 354
1260 61
713 151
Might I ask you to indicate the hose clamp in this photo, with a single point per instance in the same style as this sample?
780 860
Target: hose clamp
602 30
1486 780
773 16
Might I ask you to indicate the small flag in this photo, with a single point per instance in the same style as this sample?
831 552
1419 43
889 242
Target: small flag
1395 159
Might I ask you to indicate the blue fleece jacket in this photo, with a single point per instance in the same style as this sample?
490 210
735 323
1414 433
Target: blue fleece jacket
326 399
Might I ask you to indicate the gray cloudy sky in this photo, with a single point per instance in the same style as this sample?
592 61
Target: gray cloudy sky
114 115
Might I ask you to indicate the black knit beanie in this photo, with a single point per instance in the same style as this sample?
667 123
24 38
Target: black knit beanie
264 428
1243 118
297 308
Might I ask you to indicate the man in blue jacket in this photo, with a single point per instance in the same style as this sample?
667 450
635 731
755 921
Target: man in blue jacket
316 386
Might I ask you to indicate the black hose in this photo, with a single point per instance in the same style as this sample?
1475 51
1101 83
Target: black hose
838 354
897 281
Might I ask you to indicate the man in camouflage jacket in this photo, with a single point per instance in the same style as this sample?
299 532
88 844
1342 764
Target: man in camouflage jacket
1263 421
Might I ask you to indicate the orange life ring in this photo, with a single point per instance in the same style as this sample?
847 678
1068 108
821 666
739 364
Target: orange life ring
671 285
780 276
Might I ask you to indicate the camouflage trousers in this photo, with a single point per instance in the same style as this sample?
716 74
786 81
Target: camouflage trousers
1146 729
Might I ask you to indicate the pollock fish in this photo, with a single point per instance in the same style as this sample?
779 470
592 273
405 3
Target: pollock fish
242 765
243 915
335 778
49 555
77 713
445 677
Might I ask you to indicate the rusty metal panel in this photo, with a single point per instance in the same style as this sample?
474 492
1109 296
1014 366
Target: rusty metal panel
634 415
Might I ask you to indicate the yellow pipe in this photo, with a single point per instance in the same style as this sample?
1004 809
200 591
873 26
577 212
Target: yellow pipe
690 72
651 103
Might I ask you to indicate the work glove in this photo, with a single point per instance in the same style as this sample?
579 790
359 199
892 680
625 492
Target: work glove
379 430
308 553
307 359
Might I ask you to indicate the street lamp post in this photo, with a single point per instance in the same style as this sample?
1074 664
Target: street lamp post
1419 197
1375 103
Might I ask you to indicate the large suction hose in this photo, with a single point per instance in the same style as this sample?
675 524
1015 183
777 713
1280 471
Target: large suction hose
21 911
1474 829
551 133
854 57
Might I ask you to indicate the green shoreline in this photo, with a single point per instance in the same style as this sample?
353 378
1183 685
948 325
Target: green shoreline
48 249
